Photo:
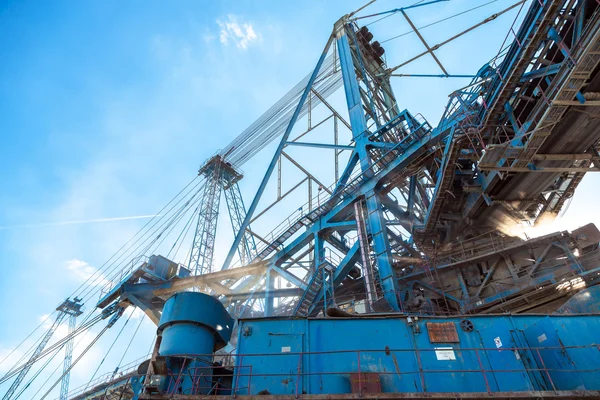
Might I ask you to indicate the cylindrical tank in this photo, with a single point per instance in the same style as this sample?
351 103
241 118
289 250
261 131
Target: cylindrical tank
193 326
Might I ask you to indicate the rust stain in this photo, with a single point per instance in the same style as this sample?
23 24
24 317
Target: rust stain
396 366
442 332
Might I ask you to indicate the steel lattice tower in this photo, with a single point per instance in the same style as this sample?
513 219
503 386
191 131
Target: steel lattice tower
68 307
73 309
220 176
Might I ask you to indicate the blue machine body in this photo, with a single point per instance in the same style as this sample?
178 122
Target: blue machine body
494 353
192 327
585 302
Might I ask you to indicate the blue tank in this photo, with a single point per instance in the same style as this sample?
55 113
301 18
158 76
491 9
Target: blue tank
192 327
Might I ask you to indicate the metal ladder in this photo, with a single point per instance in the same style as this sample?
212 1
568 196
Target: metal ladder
369 270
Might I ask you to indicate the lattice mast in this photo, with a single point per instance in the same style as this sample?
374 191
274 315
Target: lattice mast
220 176
71 308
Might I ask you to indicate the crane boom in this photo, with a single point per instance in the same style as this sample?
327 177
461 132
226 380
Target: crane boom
15 385
68 307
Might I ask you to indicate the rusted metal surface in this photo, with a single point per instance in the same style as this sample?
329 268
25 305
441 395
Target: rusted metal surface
442 332
365 382
570 394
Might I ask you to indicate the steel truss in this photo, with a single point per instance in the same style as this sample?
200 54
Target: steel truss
510 148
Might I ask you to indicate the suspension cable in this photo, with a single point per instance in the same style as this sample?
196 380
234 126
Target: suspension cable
439 21
76 361
109 349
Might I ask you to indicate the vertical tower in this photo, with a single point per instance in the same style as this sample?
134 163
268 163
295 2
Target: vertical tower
220 176
72 308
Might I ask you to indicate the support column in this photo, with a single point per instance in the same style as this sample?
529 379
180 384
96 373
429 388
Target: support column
269 286
375 218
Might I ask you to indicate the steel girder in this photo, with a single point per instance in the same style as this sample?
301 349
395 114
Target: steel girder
428 182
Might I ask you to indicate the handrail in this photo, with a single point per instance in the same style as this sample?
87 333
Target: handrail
243 371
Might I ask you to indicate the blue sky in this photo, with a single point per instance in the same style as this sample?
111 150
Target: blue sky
107 109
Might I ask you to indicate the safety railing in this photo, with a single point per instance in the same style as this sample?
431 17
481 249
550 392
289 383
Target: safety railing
109 377
117 278
358 367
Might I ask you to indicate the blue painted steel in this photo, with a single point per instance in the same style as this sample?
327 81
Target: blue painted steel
161 267
269 286
395 10
321 145
286 275
136 387
584 302
499 354
192 324
433 76
284 138
195 309
375 219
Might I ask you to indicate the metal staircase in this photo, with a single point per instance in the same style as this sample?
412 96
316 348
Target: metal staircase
444 183
313 289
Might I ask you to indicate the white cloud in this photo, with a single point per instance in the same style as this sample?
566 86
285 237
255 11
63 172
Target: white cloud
239 33
10 357
84 271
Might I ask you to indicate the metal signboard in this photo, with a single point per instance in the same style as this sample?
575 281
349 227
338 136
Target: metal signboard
442 332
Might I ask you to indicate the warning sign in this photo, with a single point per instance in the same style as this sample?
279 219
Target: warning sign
442 332
498 342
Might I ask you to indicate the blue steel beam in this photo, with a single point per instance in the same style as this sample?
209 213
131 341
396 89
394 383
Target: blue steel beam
375 218
405 153
293 279
395 10
321 145
432 76
269 287
282 143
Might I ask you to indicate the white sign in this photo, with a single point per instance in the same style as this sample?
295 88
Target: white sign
542 338
445 353
286 349
498 342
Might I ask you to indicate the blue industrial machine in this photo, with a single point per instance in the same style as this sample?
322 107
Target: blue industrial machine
397 355
407 354
419 233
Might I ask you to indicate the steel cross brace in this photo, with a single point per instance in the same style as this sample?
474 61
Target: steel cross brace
275 158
